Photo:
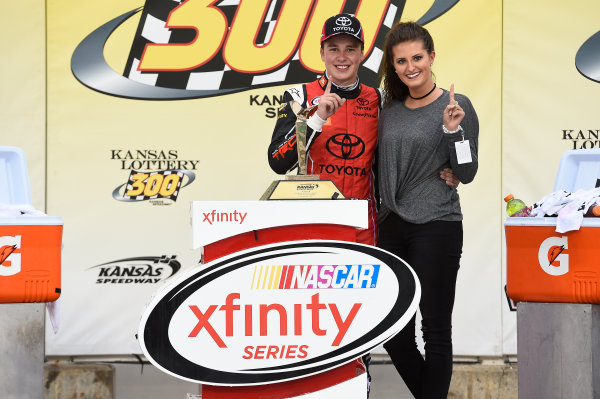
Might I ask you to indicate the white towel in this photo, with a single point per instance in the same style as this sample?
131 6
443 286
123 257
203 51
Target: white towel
9 210
569 207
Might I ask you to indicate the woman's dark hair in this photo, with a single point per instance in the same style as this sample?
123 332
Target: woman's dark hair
393 87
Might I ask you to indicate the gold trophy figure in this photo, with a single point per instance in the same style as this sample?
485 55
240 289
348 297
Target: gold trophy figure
301 117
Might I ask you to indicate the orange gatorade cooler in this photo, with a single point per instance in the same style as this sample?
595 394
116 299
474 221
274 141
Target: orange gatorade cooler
545 266
30 246
30 250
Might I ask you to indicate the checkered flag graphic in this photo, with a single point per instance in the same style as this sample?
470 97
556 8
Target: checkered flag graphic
174 191
215 74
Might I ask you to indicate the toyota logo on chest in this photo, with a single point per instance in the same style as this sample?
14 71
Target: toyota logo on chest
345 146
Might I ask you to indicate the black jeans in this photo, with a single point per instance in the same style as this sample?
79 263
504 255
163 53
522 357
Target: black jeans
433 250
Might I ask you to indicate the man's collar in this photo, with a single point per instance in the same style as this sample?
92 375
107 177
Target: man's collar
344 92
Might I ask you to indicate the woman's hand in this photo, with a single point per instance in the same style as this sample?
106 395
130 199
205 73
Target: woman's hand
453 114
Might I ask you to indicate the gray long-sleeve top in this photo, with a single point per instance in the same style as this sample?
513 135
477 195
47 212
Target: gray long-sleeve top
413 149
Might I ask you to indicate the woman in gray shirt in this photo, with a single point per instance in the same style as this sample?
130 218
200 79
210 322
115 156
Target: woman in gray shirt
423 130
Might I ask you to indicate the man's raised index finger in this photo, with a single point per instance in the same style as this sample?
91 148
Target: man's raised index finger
452 93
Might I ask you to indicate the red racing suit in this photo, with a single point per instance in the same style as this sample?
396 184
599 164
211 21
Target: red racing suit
343 151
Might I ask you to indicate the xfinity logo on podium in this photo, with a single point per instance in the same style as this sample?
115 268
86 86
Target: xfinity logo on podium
278 312
215 216
213 221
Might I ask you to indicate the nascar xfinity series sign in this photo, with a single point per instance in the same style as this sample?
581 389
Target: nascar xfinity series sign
278 312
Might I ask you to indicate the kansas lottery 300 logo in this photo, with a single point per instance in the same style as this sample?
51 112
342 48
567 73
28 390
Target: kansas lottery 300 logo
153 175
162 184
202 48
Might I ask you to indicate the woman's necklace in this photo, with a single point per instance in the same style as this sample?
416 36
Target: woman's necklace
422 97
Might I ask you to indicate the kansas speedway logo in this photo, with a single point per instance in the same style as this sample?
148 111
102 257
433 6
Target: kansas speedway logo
140 270
202 48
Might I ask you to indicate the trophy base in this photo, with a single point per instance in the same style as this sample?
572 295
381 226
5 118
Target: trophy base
302 187
302 177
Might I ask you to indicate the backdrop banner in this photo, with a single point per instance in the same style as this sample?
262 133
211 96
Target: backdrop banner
154 104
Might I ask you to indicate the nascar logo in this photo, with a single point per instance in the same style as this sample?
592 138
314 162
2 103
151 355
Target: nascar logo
315 276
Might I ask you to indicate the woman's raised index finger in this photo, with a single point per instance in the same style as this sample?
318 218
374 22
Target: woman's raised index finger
328 88
452 93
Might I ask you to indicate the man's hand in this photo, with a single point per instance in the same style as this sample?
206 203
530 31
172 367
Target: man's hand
329 103
448 175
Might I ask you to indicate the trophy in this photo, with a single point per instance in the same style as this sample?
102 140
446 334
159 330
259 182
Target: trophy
302 186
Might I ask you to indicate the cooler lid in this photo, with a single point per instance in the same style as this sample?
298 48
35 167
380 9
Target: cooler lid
546 221
31 221
14 178
578 169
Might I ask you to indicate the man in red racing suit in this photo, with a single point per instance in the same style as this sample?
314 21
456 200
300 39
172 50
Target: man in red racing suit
342 130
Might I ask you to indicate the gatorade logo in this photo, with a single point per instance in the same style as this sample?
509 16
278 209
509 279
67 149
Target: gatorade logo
552 256
10 257
202 48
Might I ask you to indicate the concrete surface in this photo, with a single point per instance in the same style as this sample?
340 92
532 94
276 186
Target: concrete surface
559 350
79 381
136 381
483 381
21 350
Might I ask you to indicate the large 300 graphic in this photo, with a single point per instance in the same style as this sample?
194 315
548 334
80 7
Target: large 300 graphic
201 48
142 186
296 27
